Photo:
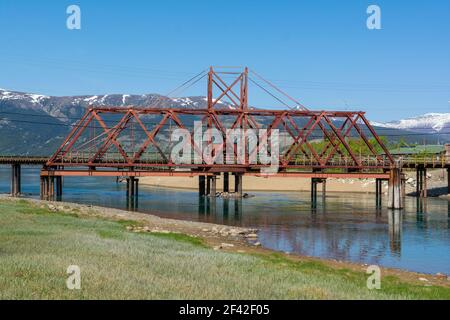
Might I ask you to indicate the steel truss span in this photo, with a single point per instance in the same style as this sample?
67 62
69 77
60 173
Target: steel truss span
141 139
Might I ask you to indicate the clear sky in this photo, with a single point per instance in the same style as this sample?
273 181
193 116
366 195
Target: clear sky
321 52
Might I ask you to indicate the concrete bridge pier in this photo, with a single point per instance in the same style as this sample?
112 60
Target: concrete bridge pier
395 194
15 180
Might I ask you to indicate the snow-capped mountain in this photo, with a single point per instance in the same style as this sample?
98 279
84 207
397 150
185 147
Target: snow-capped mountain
36 124
427 123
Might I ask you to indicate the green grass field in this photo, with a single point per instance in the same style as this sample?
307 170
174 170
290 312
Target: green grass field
37 246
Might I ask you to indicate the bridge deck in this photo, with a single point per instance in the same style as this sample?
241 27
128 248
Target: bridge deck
27 160
166 173
408 162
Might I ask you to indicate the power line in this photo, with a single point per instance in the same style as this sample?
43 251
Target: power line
114 121
166 124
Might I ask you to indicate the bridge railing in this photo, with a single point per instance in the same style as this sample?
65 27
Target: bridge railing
426 160
10 159
367 161
362 161
83 158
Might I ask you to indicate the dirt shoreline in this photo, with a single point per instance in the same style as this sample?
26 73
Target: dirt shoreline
219 237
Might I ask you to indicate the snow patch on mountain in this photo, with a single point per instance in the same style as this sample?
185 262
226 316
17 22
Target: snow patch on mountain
29 97
433 122
103 99
226 104
184 101
91 99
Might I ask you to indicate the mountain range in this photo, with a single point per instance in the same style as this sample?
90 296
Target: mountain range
429 122
37 124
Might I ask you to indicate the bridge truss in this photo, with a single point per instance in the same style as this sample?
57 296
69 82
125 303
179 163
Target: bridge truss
139 139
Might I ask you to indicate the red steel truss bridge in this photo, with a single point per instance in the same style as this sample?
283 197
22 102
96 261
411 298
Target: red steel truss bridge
133 142
137 140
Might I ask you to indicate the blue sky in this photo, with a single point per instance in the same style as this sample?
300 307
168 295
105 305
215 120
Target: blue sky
318 51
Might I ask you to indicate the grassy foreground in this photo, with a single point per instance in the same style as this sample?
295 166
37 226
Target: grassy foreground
37 246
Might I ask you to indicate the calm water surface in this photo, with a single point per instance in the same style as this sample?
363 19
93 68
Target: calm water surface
349 226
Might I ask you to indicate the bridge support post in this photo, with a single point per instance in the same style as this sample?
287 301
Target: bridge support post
448 181
136 190
395 189
403 187
132 192
58 187
208 185
51 188
313 192
41 187
212 186
15 180
314 183
46 187
378 192
45 182
226 182
238 184
201 186
421 182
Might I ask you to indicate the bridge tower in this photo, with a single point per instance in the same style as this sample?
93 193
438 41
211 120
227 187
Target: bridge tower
236 92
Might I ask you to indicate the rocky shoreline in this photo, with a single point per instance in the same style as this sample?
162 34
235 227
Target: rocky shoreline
219 236
232 195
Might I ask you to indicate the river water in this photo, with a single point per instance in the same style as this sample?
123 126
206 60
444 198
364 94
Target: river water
347 227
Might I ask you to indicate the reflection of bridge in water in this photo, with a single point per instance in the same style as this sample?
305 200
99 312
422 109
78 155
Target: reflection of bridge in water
346 224
323 232
134 142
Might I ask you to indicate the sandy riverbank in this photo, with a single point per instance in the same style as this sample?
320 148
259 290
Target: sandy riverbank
251 183
436 179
